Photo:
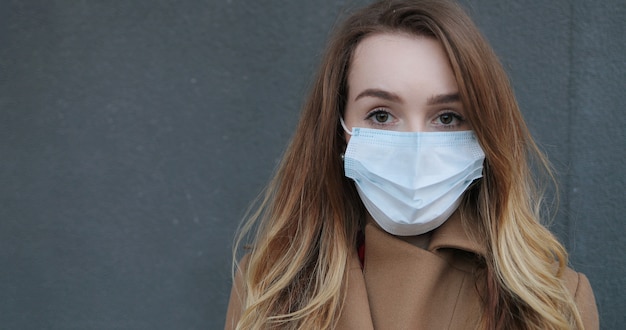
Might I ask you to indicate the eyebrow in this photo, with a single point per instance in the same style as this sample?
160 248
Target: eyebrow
389 96
379 93
444 98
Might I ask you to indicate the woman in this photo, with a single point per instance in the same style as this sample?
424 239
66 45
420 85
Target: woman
405 199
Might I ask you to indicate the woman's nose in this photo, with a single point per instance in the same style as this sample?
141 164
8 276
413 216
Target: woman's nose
415 124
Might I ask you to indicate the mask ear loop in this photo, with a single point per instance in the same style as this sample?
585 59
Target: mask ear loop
343 124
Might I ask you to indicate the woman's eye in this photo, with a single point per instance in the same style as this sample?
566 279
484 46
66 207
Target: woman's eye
449 120
380 117
446 118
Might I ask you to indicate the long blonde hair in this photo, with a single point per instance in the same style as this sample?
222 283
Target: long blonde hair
307 222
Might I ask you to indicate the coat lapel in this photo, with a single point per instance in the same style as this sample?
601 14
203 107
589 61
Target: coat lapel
356 308
405 287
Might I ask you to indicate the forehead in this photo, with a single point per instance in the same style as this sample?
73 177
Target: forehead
398 61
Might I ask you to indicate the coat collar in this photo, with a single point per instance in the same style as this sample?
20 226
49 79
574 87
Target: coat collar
452 235
413 288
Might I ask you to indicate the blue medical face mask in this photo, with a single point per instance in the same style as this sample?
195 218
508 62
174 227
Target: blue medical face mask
411 182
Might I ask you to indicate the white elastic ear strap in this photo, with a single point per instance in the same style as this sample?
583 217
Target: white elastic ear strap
343 124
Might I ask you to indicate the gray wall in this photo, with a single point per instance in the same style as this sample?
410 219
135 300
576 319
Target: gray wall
134 134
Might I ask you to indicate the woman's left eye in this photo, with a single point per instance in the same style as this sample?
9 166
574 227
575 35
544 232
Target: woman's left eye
449 120
446 118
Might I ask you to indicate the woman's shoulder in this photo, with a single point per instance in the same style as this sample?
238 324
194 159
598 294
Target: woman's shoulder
576 282
579 286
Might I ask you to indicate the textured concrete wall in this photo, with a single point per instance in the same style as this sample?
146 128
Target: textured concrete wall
134 135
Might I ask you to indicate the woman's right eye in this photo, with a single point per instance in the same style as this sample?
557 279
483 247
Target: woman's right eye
380 117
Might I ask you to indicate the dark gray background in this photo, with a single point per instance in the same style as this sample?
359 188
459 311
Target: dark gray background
134 135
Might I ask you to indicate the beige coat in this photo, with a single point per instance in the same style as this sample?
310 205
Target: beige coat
405 287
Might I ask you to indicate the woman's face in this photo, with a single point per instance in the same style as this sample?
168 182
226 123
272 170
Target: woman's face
402 82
